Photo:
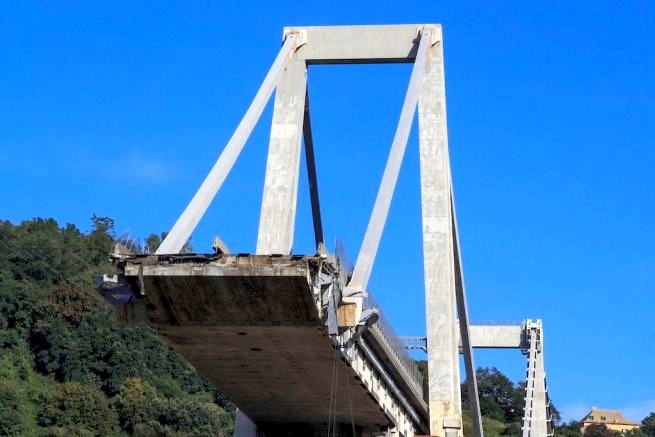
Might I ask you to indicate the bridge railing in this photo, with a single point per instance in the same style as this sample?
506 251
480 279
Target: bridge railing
394 345
414 343
496 323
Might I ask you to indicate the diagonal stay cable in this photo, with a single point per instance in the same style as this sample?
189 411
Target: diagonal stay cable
197 207
378 218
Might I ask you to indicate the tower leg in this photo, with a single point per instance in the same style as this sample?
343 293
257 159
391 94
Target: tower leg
438 251
278 214
243 426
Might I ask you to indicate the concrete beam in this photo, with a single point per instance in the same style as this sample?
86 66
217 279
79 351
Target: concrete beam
496 337
359 44
278 213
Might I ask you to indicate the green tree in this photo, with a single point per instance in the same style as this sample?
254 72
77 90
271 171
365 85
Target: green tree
571 429
17 305
103 225
153 241
11 419
14 406
500 399
599 430
80 409
648 425
555 414
39 252
133 396
637 432
21 392
101 239
66 366
188 415
34 252
188 247
513 429
70 302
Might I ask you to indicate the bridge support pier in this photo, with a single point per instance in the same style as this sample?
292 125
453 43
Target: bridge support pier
438 252
536 422
423 46
278 213
243 426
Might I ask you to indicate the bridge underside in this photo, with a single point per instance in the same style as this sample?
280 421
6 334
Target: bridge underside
277 374
251 325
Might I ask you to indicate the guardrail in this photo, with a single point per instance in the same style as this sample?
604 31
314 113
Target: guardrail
394 345
417 343
497 323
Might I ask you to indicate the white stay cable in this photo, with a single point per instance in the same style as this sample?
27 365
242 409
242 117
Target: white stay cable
194 211
378 218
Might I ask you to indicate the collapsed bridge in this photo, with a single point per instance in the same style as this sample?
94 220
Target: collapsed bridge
297 342
270 334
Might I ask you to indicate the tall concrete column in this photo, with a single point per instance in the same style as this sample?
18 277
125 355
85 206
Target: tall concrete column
438 251
539 415
539 422
278 213
243 426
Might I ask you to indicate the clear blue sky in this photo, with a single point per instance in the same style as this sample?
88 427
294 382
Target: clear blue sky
121 108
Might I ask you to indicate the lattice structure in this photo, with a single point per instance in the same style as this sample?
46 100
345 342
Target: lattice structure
537 419
528 337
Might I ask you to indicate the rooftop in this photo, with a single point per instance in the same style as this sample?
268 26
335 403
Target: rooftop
597 415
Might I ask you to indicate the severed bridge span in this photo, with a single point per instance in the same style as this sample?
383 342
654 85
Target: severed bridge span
297 341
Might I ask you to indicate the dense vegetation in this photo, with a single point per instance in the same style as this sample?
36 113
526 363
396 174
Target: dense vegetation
67 367
501 404
572 429
502 407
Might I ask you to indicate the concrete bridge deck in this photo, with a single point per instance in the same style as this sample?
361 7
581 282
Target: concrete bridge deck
255 326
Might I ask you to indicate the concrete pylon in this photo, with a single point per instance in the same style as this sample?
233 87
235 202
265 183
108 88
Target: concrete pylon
540 417
438 251
421 44
536 421
187 222
243 426
278 213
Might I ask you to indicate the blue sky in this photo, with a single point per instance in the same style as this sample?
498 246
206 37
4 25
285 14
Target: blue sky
121 108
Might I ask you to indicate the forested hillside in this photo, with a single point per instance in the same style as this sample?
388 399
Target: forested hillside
502 408
67 366
501 404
